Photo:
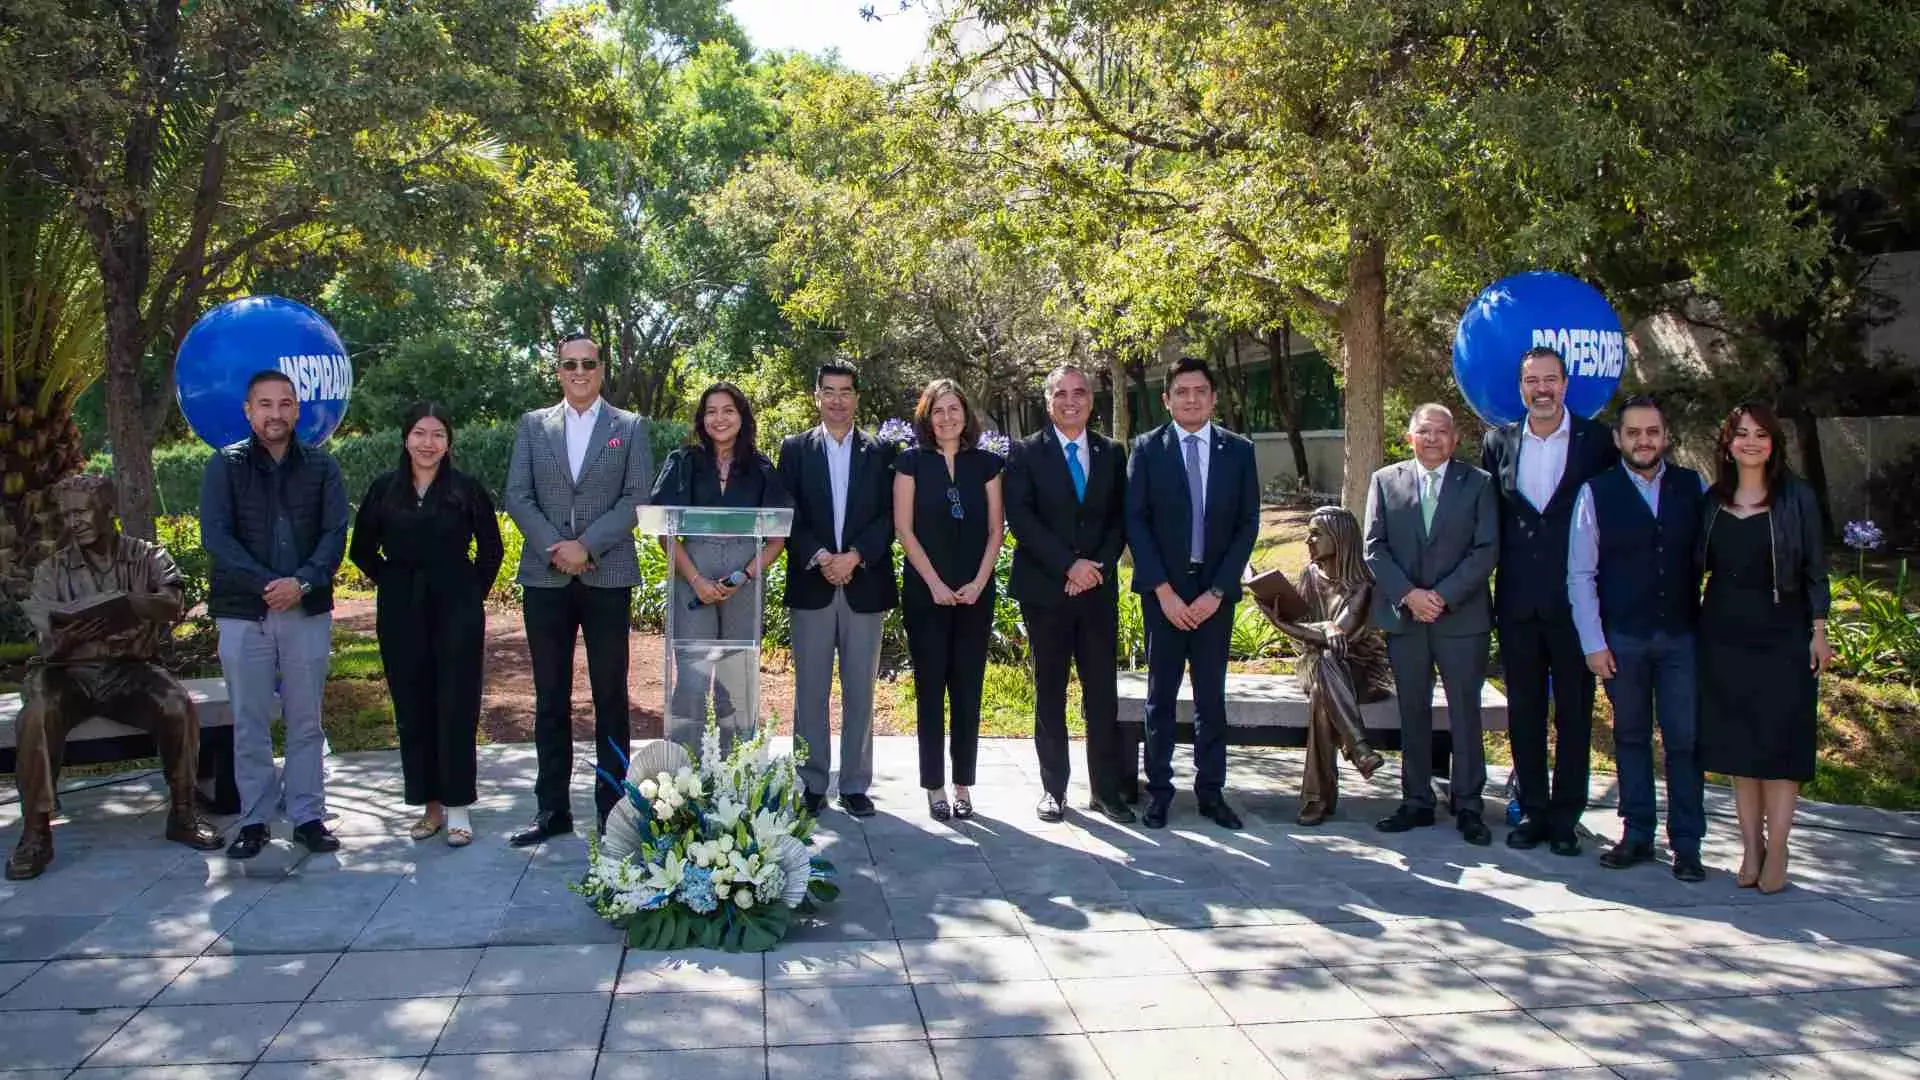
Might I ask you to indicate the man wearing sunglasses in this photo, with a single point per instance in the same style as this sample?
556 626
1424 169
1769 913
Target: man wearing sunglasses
578 470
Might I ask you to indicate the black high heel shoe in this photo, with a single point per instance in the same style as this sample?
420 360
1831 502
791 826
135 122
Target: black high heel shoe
940 810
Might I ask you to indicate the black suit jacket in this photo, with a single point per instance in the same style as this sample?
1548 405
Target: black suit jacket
1159 513
868 527
1053 528
1532 576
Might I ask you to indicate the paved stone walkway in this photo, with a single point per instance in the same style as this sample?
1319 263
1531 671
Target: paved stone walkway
999 949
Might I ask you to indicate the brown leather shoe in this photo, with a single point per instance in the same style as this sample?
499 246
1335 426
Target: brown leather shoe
1313 813
185 827
35 850
1367 762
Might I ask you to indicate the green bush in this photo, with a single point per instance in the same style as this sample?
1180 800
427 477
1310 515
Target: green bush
1875 634
482 450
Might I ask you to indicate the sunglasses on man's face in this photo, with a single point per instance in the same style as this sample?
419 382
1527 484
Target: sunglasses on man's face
579 365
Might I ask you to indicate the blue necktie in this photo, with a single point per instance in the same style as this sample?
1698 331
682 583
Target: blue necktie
1197 494
1079 472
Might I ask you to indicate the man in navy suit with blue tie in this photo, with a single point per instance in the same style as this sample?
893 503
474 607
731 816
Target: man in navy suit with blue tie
1193 512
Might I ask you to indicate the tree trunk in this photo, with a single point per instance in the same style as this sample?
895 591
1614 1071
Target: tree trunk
1285 402
1791 336
1363 353
126 418
1122 429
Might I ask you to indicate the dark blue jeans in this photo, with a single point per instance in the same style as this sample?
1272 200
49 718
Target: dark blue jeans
1655 680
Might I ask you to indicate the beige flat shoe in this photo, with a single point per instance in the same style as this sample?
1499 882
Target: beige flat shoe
459 837
425 828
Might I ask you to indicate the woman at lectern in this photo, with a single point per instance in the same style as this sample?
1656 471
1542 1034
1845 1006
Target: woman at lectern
713 577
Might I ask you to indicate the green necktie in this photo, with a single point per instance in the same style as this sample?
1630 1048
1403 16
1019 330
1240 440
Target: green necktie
1429 499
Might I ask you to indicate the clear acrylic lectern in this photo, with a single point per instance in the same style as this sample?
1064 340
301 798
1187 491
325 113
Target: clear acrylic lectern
713 678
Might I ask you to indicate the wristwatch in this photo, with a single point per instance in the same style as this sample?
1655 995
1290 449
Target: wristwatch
305 586
1218 592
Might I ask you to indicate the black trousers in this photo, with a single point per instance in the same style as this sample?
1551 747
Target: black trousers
555 619
948 647
432 643
1536 652
1077 633
1201 654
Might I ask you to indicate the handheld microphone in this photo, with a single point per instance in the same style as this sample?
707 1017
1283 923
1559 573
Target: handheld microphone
731 581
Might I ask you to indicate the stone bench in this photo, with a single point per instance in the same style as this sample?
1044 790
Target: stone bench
102 739
1270 710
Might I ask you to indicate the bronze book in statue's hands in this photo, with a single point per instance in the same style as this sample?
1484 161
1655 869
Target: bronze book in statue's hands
1278 596
112 610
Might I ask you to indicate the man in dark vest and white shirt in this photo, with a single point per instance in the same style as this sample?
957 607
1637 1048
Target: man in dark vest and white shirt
1635 591
1538 464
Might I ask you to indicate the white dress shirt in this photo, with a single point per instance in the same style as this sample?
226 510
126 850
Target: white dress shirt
839 480
1439 480
580 434
1543 461
1206 453
1086 463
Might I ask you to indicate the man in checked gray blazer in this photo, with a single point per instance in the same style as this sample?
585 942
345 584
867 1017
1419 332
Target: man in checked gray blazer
1433 536
579 469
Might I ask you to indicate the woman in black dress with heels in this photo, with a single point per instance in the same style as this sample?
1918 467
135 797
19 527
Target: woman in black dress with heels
412 538
1763 636
947 510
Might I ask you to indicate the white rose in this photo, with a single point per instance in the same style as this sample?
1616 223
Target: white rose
649 790
743 898
726 844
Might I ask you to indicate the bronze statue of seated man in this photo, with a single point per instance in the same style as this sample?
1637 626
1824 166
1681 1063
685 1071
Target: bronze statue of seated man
1343 658
100 606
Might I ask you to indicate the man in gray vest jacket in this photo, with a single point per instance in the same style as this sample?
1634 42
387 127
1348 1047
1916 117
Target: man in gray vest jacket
579 470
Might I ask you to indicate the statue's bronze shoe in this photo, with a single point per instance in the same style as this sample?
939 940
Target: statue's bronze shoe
187 828
30 858
1313 813
1367 762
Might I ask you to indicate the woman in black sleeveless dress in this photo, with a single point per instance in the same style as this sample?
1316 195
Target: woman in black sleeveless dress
947 510
1763 637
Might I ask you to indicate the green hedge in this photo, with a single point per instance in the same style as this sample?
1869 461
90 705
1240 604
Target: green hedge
482 450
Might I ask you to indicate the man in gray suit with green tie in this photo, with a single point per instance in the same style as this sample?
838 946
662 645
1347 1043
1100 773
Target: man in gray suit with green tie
1433 536
578 470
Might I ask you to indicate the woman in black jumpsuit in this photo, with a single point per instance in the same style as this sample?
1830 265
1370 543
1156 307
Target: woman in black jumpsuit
427 537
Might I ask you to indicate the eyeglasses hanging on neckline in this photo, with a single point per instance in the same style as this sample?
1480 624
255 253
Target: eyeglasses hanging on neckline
954 507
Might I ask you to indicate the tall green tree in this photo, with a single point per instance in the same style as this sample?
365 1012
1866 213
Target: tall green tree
1344 156
195 138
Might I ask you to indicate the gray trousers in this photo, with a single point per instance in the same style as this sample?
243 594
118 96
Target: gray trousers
817 636
283 655
730 678
1462 661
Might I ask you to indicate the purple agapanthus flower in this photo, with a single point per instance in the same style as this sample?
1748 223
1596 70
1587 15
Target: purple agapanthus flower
898 432
994 442
1863 535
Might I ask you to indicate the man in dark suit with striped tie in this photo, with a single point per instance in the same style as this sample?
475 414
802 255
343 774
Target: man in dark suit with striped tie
1066 499
1193 513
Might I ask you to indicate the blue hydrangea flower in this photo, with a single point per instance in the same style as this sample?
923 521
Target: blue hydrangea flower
696 890
1863 536
899 433
997 443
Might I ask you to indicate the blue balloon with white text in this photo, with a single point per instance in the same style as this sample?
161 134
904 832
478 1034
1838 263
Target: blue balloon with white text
1540 307
240 338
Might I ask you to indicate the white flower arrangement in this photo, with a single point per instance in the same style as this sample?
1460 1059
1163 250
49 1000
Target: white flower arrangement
713 853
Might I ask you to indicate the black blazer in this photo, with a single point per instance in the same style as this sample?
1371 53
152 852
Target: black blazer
1799 542
1052 527
868 527
1159 513
1532 576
